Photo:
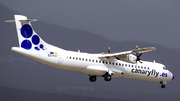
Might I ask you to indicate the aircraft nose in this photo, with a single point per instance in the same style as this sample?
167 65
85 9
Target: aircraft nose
172 77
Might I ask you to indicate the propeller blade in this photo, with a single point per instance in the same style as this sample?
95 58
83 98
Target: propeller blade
139 55
140 61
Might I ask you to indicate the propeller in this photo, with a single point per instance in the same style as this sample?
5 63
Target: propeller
138 55
109 50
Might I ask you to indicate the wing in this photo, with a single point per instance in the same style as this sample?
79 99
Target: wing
122 54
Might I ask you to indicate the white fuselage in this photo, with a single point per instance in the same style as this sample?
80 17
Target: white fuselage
78 61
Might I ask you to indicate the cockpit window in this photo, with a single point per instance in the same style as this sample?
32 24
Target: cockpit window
164 68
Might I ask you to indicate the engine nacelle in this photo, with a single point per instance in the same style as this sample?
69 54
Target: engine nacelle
128 58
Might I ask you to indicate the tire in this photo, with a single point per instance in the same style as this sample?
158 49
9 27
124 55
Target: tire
163 86
92 78
107 77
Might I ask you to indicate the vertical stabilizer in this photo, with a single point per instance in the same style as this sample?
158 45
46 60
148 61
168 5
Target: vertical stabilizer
28 38
30 43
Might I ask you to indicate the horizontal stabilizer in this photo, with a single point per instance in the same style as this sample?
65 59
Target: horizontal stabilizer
28 20
23 21
10 21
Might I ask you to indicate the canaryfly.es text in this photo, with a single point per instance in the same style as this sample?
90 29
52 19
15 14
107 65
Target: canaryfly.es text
146 72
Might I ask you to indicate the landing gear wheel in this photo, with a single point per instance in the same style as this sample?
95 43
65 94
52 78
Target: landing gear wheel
92 78
163 86
107 77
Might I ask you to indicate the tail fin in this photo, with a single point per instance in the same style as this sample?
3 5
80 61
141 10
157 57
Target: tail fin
31 45
28 38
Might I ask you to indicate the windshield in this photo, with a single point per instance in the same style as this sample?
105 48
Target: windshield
164 68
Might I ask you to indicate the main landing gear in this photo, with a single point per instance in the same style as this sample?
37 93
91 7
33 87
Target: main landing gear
163 84
92 78
106 76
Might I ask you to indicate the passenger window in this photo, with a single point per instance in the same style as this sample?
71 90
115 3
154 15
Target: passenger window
113 63
89 60
106 62
122 64
99 61
92 60
119 64
83 59
79 58
116 64
109 62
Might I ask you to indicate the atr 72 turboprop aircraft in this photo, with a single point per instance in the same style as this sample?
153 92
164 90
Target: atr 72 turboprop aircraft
123 64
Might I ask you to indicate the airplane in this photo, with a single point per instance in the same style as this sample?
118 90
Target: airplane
125 64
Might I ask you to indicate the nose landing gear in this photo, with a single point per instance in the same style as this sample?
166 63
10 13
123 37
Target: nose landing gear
163 84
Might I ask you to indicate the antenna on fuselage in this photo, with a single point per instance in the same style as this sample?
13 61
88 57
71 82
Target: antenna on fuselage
109 50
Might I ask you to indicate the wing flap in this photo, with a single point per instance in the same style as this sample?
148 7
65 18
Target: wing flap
10 21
